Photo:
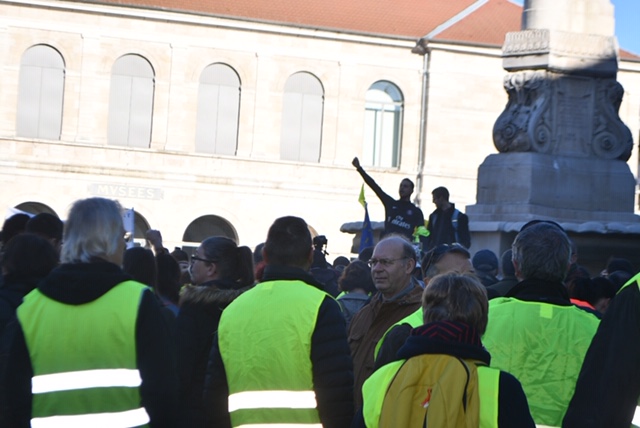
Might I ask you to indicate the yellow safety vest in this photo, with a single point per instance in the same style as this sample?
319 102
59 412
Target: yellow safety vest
266 355
84 359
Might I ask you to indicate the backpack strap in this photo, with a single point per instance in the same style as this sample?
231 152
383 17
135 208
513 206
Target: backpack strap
464 396
454 223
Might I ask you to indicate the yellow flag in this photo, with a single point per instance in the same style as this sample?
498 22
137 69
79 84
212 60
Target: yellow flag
361 199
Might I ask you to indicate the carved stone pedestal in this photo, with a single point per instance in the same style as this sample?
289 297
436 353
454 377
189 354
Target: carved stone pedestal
518 187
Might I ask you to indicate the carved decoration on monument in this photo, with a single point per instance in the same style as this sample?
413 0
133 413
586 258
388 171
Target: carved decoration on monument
612 139
525 125
563 149
552 113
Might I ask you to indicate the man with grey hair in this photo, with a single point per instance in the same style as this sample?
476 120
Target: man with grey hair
399 294
534 332
90 347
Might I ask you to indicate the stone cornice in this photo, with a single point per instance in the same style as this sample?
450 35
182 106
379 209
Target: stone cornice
538 42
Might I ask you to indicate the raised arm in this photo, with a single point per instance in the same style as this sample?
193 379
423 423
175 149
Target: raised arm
370 182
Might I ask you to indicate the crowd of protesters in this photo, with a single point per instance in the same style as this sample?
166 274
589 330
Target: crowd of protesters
94 334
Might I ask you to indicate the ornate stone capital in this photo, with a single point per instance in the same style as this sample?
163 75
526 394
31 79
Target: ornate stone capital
553 113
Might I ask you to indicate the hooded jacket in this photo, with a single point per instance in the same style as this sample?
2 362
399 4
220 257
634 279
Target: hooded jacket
200 309
77 284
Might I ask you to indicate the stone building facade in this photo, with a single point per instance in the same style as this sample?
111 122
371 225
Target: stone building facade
211 124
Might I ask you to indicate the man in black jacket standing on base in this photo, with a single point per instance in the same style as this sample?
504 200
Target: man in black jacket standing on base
447 225
401 215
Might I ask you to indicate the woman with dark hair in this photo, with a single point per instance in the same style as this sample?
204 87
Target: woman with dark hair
220 271
357 285
26 259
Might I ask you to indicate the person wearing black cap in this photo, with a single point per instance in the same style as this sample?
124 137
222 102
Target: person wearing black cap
485 263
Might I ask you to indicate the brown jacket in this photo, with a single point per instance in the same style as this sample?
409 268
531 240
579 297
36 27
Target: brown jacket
370 324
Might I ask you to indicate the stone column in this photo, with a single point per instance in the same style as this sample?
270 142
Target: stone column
561 119
562 146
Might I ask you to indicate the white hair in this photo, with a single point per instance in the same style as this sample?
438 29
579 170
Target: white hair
93 228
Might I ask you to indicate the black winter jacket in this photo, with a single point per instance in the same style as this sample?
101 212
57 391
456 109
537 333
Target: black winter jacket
442 231
608 386
201 307
13 290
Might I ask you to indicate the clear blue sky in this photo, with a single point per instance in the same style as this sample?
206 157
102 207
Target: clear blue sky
627 14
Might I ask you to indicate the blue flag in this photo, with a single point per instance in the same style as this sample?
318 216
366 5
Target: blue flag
366 240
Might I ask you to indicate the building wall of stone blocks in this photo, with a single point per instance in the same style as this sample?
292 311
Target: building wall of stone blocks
171 185
465 98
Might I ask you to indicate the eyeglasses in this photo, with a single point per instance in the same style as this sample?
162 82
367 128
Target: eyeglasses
384 262
436 253
194 258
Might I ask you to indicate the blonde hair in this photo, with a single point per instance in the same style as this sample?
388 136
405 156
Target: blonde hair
456 297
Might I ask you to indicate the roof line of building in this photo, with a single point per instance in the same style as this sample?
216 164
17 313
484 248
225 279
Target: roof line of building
455 19
214 20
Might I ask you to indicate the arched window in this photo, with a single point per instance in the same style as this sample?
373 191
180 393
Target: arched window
131 102
204 227
40 93
383 125
302 109
218 110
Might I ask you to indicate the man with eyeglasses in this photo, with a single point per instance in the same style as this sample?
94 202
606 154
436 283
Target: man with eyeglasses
442 259
399 295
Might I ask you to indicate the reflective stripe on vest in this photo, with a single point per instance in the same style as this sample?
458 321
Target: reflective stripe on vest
272 400
84 359
635 422
126 419
85 379
271 383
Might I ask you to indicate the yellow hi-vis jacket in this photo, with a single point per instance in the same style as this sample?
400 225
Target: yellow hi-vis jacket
375 389
543 345
267 356
84 359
